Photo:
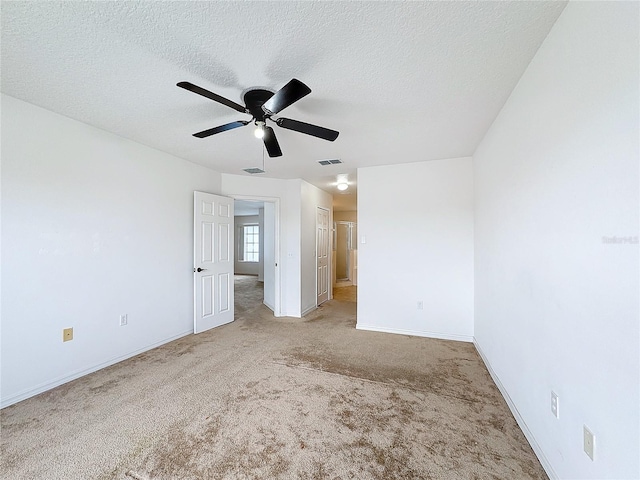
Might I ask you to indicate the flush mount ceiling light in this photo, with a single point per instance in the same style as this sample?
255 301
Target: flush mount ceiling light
343 182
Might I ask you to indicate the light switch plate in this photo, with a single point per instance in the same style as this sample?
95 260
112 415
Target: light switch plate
555 404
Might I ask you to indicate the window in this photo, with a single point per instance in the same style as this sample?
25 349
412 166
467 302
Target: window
249 243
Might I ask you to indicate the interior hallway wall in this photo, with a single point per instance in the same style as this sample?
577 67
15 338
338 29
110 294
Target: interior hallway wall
311 198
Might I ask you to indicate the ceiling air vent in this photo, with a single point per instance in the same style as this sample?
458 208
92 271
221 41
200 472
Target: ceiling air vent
253 170
330 162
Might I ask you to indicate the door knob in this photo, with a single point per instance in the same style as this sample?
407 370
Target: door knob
199 269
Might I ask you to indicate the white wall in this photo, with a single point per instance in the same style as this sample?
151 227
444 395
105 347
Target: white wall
557 307
247 268
312 198
93 226
417 219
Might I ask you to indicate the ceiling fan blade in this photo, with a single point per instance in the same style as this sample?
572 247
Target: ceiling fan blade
217 98
221 128
290 93
270 141
307 128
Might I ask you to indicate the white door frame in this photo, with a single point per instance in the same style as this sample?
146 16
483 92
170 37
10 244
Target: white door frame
276 242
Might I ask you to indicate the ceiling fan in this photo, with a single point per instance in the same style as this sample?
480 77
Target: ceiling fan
262 104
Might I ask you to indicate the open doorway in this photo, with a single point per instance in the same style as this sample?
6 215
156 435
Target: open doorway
345 256
256 247
346 253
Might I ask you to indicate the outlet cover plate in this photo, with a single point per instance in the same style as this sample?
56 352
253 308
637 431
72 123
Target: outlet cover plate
67 334
589 442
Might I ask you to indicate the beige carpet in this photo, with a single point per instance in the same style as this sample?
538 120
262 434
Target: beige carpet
275 398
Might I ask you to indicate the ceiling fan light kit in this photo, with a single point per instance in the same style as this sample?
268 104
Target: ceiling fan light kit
262 104
259 131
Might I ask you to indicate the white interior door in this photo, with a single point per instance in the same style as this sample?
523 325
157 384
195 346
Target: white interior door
212 261
322 254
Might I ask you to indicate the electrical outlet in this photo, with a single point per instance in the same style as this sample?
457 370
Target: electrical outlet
589 442
67 334
555 404
124 319
420 305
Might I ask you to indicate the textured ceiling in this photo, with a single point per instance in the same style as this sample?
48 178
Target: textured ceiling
401 81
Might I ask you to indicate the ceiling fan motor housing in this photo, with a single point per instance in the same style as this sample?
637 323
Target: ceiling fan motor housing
254 99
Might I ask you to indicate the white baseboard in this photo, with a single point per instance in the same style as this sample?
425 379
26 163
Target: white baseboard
416 333
270 307
521 423
309 310
43 387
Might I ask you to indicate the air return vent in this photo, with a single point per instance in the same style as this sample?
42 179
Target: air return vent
253 170
330 162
